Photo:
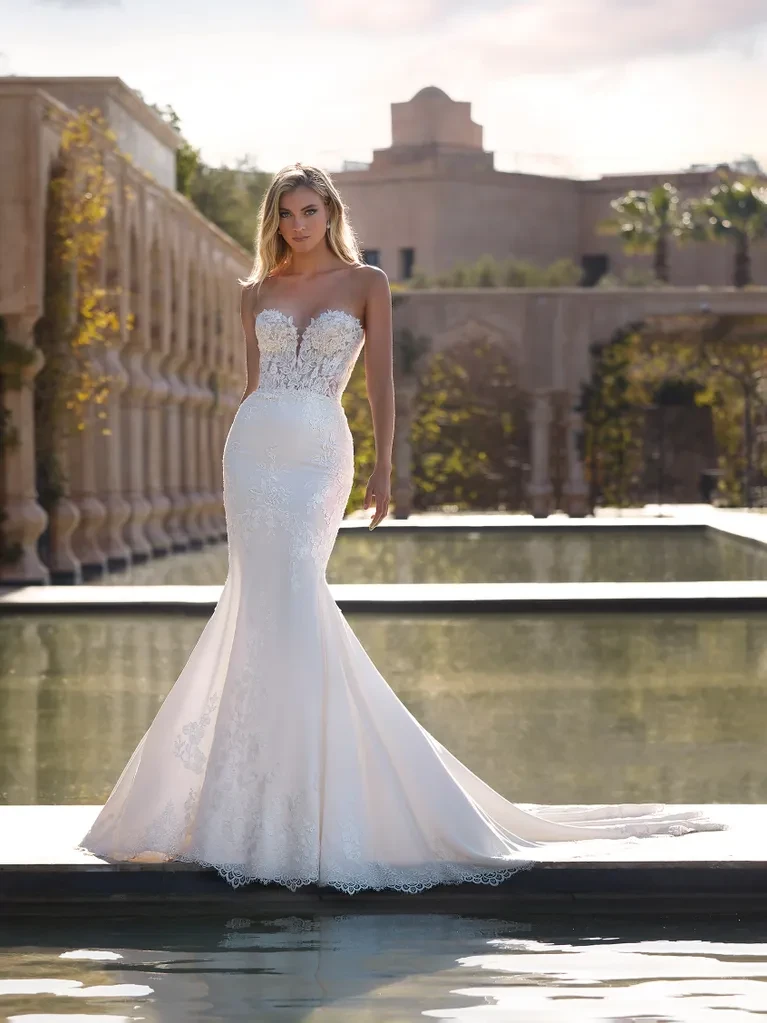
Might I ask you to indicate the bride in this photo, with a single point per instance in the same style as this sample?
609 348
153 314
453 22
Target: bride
281 754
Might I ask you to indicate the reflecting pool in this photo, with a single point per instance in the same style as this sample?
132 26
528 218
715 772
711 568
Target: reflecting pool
515 555
547 707
382 969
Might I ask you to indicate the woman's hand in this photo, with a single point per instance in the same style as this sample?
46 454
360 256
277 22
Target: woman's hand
378 491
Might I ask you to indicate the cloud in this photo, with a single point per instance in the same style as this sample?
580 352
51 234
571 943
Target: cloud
553 36
530 36
79 3
390 17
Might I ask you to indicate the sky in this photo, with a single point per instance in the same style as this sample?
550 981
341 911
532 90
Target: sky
579 88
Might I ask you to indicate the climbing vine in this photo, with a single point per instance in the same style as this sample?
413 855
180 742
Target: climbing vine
80 314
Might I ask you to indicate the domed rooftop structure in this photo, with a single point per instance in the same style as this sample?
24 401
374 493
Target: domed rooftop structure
431 92
433 128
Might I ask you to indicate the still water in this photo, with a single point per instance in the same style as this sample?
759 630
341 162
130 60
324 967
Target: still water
514 555
383 969
546 707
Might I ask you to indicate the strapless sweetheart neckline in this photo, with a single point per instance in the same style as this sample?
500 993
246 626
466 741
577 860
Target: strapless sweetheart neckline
324 312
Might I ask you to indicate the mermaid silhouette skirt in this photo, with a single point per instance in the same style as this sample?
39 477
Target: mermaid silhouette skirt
281 754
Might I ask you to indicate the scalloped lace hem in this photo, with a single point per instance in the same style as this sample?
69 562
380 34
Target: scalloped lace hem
409 880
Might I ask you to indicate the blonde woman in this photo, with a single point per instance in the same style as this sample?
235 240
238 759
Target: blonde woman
281 754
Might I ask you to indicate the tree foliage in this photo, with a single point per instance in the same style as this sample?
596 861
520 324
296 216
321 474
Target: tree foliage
229 197
734 211
488 272
469 436
646 222
723 359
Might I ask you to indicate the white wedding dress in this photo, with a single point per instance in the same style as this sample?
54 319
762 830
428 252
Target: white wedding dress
281 754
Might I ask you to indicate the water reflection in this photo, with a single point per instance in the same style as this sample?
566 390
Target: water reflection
556 708
651 554
371 968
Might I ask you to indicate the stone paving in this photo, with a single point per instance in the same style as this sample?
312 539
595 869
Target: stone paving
702 874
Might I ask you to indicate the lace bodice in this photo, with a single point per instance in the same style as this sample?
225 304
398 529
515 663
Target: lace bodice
319 360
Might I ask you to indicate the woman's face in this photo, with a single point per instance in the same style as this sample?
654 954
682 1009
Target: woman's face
303 218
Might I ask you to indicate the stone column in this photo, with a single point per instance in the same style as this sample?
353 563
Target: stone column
109 447
190 425
63 521
24 520
134 426
174 455
402 489
216 459
208 524
576 488
160 505
84 488
539 489
223 337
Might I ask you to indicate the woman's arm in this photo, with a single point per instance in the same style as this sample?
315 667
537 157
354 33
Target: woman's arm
252 355
379 378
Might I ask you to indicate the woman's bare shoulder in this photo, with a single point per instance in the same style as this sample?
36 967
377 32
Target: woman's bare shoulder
368 272
372 279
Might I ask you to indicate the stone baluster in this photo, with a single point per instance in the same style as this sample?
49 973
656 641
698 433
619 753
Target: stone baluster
110 450
208 517
214 423
134 432
190 425
223 418
540 490
64 518
157 396
216 460
84 445
24 520
174 455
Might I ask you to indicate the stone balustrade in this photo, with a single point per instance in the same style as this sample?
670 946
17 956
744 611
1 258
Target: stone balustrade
146 480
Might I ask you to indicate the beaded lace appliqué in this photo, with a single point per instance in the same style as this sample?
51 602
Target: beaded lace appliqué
321 359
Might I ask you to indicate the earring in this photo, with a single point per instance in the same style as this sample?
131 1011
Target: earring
327 226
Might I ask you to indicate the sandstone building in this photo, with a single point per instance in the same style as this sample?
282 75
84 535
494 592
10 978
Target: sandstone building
152 484
433 198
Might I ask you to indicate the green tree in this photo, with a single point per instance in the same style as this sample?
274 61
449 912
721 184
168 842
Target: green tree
187 157
489 272
734 211
722 360
229 197
645 223
469 436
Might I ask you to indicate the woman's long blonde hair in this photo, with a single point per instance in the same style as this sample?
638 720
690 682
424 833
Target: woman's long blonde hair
272 251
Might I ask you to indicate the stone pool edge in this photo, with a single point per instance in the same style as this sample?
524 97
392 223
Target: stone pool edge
702 595
705 874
